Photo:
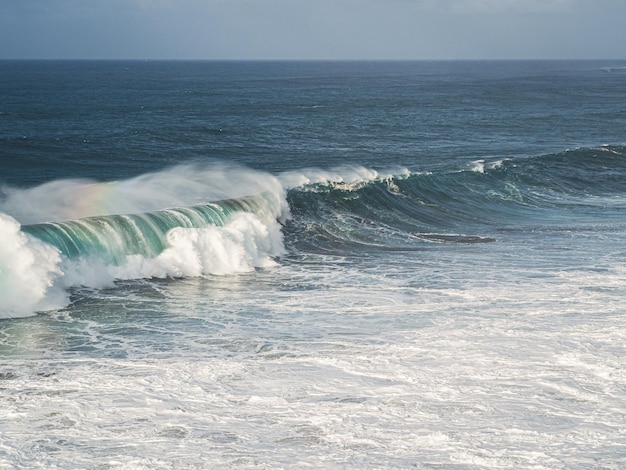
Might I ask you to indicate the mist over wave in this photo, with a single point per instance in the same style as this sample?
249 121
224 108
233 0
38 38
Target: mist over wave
178 186
175 223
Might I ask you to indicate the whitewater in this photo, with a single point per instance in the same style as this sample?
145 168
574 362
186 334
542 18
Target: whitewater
327 265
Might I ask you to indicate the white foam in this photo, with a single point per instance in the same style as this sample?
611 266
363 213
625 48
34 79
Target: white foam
478 166
242 245
28 271
36 277
343 175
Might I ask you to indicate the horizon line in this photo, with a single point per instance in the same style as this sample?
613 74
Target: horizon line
164 59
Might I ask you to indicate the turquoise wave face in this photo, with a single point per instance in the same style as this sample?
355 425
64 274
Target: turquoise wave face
112 238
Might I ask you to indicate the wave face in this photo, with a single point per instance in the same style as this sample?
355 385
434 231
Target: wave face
343 211
400 210
113 238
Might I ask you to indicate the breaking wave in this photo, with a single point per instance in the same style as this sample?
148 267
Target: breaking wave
39 262
220 219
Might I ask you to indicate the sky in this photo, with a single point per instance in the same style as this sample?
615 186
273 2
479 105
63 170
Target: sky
313 29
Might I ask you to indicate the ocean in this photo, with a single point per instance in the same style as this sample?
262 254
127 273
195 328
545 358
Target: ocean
313 264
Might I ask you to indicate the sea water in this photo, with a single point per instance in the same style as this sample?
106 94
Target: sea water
312 264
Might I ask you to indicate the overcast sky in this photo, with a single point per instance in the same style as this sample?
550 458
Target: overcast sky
313 29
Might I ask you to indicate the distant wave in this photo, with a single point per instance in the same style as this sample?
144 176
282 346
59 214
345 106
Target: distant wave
614 69
350 208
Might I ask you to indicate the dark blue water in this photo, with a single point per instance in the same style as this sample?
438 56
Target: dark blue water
74 119
336 264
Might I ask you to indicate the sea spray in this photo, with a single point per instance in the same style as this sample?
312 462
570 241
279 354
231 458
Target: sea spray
346 176
179 186
28 271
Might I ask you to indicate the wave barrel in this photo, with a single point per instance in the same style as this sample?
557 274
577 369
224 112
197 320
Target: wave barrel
114 237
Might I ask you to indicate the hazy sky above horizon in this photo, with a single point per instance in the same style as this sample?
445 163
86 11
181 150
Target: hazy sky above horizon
312 29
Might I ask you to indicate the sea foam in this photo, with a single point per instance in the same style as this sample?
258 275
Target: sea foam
29 269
